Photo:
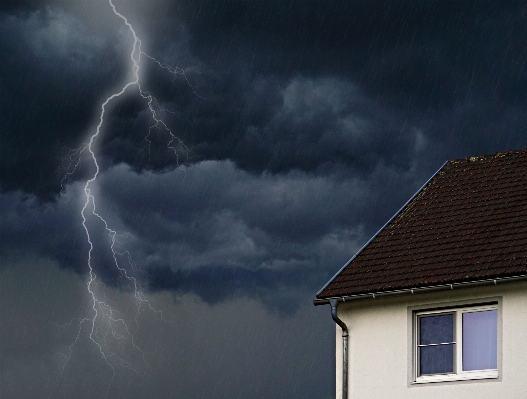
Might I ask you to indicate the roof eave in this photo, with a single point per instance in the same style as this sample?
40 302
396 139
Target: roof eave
418 290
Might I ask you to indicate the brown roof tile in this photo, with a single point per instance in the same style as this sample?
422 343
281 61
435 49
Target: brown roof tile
469 222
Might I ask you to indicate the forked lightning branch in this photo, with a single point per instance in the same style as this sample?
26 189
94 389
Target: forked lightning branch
107 328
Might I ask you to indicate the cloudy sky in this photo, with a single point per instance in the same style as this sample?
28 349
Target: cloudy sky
289 132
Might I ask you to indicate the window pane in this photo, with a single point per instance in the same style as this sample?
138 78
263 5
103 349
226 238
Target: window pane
480 339
436 359
436 329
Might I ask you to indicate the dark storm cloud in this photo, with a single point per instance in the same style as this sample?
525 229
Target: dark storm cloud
292 114
311 124
211 230
53 71
29 230
423 50
215 231
456 71
281 85
216 283
218 232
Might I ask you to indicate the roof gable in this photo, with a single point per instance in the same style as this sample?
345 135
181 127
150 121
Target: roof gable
469 222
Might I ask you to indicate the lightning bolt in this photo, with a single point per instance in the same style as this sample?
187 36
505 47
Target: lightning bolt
107 327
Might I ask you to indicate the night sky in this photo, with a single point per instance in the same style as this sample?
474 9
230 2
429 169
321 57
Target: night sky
302 127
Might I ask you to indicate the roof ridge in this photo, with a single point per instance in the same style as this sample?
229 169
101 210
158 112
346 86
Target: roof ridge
498 154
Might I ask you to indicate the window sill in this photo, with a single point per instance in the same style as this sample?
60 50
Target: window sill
464 376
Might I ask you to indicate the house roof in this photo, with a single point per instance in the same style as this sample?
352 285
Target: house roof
469 222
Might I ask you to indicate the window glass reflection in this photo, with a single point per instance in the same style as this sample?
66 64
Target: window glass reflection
480 339
436 359
436 329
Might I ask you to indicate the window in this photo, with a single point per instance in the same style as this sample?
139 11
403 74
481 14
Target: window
456 344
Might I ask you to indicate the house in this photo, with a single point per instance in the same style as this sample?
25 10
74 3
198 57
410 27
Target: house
435 304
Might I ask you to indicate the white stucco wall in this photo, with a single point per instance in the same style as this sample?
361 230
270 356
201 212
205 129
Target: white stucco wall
380 346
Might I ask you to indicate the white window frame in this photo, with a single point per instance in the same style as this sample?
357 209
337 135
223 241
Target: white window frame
458 374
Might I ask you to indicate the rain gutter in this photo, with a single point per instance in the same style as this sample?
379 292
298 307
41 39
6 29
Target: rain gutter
418 290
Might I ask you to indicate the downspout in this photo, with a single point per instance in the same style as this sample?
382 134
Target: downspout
334 304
